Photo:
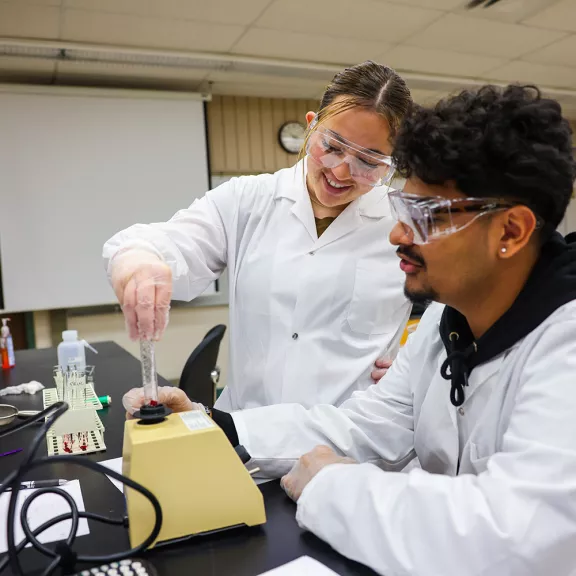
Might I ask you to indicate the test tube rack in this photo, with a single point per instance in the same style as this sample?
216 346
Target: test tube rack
80 420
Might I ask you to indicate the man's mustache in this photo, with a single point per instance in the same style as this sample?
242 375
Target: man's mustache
410 256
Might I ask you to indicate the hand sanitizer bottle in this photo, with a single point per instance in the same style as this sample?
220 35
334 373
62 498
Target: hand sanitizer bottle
6 346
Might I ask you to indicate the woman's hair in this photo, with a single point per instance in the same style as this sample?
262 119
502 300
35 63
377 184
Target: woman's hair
368 85
371 86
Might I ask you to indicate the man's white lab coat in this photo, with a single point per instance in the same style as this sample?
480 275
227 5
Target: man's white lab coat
496 495
308 315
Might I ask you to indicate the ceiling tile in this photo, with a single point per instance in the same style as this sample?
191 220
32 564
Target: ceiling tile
431 61
436 4
539 74
485 37
106 28
19 20
562 52
119 75
560 16
427 97
511 11
298 46
219 11
374 19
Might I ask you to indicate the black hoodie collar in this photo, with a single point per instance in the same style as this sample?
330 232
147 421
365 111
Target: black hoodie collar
551 284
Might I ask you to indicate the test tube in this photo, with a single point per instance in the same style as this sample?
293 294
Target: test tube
149 377
65 384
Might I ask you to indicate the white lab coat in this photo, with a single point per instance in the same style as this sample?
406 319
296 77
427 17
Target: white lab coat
511 508
308 315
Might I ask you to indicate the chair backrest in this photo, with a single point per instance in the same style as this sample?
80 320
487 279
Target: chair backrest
196 379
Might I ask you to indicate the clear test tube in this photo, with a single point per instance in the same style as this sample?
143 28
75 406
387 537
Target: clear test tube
72 386
65 382
59 379
149 377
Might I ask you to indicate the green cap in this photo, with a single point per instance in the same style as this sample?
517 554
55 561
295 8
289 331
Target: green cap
105 400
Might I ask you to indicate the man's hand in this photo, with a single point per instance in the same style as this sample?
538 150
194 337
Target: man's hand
380 368
170 396
307 467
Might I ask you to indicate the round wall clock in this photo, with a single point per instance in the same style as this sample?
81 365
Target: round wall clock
291 137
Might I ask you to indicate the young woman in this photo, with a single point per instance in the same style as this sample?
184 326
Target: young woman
316 295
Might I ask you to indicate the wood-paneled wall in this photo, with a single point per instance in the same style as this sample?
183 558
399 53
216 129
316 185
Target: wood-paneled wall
243 133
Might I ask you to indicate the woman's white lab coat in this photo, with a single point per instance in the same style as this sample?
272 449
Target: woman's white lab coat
308 315
510 509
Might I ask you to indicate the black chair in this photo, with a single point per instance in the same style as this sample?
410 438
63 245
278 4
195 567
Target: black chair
200 375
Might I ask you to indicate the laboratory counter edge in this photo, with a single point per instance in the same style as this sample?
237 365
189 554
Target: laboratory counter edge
236 552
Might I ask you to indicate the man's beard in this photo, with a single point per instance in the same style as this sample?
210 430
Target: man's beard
423 296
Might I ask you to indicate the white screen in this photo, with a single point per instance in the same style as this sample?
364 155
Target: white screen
75 168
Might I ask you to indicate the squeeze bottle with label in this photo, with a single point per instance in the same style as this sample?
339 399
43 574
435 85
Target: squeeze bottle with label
6 346
71 353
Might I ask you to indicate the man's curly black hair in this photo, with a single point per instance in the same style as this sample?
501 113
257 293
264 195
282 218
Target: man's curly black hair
493 142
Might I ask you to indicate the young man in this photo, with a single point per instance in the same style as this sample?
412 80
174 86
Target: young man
484 393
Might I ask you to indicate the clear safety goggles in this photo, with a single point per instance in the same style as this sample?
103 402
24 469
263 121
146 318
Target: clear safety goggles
427 218
330 150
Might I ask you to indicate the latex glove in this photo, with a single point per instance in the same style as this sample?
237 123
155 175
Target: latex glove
307 467
142 282
29 388
380 368
170 396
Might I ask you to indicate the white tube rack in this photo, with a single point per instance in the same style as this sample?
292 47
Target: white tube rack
81 416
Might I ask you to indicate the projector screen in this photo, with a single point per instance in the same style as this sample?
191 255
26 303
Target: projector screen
78 165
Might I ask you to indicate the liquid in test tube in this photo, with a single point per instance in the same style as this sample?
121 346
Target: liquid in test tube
149 377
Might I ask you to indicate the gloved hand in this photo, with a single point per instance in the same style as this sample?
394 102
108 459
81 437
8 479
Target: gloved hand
142 282
307 467
170 396
381 366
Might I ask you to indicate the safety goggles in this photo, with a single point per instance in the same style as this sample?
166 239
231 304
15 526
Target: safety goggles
427 218
329 149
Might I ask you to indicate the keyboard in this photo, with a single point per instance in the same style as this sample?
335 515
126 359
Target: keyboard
128 567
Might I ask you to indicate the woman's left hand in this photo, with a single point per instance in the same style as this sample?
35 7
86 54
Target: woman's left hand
170 396
380 368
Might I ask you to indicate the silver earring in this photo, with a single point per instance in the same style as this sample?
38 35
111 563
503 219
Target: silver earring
503 250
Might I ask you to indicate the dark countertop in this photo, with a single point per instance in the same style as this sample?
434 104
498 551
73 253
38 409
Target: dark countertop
238 552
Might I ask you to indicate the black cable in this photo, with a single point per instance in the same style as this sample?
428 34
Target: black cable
127 482
26 528
103 519
36 531
51 567
74 511
76 514
31 420
52 413
57 520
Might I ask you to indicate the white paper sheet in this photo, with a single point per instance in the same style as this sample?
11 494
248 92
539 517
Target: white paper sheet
116 465
304 566
42 509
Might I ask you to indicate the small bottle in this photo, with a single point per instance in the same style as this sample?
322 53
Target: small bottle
71 353
6 346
